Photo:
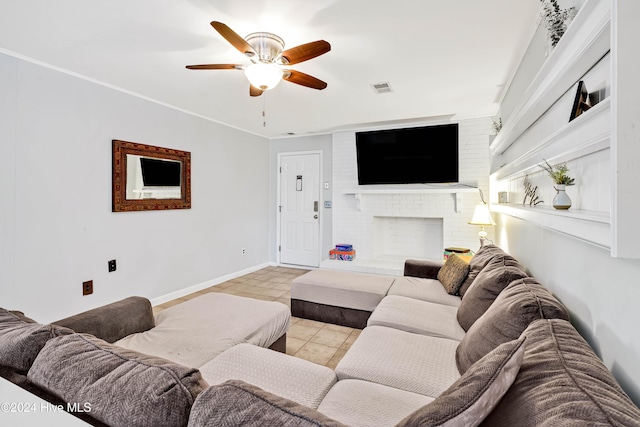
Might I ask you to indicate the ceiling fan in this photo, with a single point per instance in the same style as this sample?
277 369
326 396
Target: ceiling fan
268 57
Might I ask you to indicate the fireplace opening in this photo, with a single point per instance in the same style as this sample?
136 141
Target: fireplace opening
407 237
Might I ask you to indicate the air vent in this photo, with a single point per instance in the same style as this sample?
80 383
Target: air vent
383 87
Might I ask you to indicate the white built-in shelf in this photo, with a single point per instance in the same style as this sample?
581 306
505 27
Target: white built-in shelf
586 134
600 28
455 189
412 189
585 42
590 226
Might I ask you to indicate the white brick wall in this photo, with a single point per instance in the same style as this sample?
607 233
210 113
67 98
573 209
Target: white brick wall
356 226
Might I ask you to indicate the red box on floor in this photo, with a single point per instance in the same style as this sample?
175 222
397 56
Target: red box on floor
342 255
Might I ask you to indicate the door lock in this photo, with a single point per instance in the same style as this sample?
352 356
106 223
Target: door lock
315 217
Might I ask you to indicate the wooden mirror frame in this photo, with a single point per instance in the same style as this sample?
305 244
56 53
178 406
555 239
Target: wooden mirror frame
120 203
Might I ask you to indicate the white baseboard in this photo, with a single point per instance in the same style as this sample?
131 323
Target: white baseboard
204 285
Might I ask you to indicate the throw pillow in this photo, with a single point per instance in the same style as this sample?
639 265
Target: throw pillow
453 273
118 387
562 383
484 255
236 403
521 303
486 287
474 395
21 339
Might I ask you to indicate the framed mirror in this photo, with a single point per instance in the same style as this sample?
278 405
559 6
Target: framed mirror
146 177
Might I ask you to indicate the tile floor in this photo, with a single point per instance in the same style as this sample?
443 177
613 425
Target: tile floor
318 342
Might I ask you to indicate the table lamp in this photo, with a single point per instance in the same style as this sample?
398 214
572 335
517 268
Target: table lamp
482 217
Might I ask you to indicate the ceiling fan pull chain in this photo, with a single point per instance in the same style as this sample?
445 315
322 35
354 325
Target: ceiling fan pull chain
264 111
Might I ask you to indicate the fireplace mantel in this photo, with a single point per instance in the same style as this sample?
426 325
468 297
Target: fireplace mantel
455 189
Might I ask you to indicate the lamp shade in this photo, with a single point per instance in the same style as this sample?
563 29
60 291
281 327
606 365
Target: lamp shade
263 76
481 215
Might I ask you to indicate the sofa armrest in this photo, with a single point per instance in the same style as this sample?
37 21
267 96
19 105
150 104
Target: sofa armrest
113 321
422 268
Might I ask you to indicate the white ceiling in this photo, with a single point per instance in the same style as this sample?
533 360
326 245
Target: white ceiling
445 57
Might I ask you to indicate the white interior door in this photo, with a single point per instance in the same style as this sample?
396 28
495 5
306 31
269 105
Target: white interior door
300 209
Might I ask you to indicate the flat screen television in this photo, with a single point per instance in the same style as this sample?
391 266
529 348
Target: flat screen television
419 155
160 173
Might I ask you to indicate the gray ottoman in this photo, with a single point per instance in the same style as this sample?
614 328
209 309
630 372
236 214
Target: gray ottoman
340 297
296 379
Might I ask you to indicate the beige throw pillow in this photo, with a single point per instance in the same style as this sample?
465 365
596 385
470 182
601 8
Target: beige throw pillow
453 273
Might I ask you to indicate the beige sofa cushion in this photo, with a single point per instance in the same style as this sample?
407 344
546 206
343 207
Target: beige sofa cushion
418 317
472 397
430 290
290 377
562 383
522 302
415 363
358 403
493 278
121 387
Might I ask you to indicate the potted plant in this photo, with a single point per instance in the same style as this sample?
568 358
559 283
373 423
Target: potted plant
554 19
559 175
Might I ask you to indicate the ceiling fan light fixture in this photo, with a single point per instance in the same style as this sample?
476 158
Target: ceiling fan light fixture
263 76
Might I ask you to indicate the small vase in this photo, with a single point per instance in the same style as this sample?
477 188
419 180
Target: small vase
561 200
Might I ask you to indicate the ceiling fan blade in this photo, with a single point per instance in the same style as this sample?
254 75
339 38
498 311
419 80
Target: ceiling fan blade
233 37
215 67
304 52
303 79
254 91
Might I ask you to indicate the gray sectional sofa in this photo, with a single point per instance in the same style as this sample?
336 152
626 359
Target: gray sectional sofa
449 344
119 365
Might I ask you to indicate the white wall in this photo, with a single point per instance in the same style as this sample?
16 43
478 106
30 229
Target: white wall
56 225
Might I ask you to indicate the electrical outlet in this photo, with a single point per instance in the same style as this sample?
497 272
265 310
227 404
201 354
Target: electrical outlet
244 251
87 287
112 265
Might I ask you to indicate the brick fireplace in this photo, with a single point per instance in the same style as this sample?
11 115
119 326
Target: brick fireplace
388 224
